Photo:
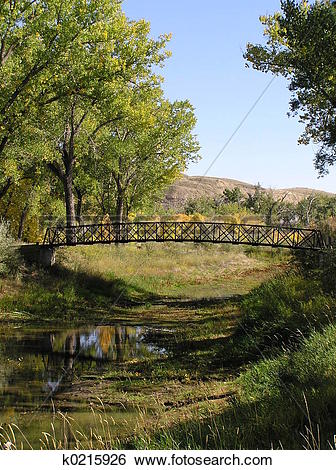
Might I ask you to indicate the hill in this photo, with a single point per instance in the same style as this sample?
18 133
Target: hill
195 187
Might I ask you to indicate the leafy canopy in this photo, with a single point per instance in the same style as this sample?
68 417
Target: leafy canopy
301 46
144 150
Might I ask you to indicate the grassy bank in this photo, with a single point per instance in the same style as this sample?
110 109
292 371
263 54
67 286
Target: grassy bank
191 290
248 347
91 283
287 402
194 397
286 391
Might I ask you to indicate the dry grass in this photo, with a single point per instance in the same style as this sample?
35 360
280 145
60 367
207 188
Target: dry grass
182 270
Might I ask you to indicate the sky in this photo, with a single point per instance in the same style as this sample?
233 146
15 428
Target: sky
207 68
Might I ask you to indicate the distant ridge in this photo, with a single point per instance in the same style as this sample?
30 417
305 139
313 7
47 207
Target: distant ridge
195 187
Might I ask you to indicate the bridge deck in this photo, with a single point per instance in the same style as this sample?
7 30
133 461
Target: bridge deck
205 232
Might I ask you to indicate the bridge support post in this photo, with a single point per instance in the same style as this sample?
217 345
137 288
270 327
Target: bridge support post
44 256
47 257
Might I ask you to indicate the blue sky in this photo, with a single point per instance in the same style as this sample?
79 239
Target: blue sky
207 68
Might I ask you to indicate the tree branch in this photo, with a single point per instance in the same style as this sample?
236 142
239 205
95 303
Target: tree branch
5 187
57 170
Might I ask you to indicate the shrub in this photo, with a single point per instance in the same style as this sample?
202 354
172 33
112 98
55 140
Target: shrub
197 217
9 255
321 266
278 313
203 205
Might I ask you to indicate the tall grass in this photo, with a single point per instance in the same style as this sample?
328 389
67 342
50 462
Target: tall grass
285 346
284 399
65 433
287 398
287 402
278 314
99 277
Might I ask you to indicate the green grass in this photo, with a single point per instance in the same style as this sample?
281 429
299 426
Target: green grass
278 314
243 368
287 402
89 283
286 397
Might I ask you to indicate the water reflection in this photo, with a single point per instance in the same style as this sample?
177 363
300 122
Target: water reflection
35 363
116 343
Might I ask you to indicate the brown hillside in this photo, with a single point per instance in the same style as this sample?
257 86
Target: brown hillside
195 187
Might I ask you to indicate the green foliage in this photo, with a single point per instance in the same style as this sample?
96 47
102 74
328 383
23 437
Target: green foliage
320 266
81 97
234 195
202 205
301 46
143 152
9 257
38 39
309 211
279 313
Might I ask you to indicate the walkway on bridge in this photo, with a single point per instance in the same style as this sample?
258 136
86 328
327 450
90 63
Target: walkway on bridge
197 232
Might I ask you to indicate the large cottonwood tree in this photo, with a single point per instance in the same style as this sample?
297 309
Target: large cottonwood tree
74 75
143 151
301 46
114 54
36 38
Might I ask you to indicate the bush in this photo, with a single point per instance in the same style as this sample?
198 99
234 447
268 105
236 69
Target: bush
9 255
321 266
277 314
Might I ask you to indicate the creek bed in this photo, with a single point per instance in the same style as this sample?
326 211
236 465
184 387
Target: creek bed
37 364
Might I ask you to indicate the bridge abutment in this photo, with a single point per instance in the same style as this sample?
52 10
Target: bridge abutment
44 256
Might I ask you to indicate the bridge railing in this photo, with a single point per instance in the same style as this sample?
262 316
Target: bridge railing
207 232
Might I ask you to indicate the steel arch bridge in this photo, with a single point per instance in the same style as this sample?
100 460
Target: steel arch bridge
196 232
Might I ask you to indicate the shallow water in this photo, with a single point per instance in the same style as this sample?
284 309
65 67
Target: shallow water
37 363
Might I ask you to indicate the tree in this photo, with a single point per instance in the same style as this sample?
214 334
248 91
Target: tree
301 46
316 208
144 151
36 40
234 195
118 55
69 72
255 201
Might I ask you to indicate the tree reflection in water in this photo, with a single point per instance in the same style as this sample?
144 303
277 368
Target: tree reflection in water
40 363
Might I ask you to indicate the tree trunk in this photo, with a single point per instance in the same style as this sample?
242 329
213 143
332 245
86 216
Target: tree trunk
22 220
4 214
79 205
66 179
70 210
269 216
65 171
3 143
5 188
119 215
120 208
